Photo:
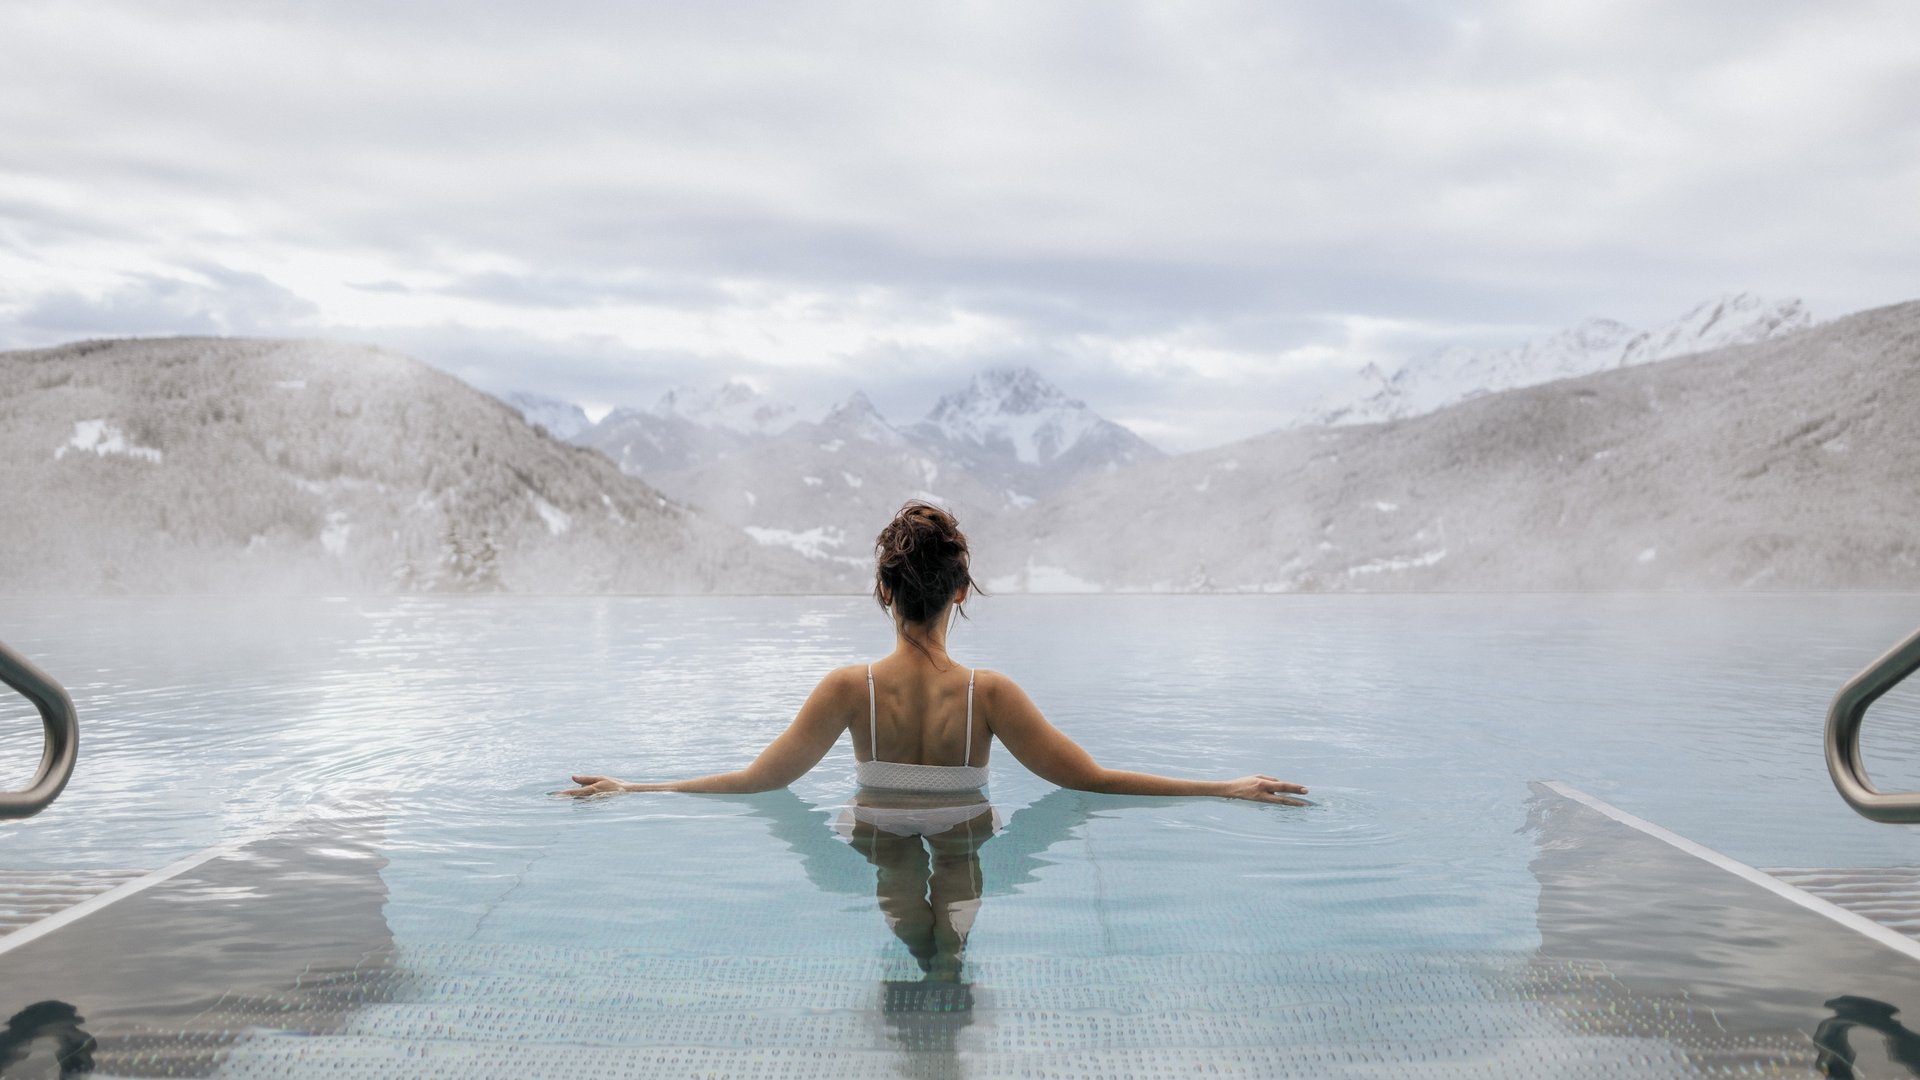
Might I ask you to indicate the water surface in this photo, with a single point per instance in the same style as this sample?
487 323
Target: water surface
1404 909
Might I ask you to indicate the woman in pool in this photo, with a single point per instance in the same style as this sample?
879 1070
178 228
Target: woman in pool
930 722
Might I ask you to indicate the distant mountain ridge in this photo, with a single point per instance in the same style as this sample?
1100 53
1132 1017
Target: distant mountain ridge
822 489
731 406
1435 380
232 465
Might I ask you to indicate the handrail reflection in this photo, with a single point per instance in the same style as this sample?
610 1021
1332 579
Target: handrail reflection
48 1021
1851 1011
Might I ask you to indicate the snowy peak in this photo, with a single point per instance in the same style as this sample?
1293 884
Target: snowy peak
856 418
1004 391
562 419
1017 433
1015 410
731 406
644 442
1738 319
1435 380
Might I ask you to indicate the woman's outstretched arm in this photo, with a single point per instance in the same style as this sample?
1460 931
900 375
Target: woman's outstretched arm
1053 757
786 759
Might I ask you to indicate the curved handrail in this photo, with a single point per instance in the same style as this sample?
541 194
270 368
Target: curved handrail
1843 737
63 735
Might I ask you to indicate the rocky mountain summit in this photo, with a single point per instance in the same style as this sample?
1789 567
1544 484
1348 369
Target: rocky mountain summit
1448 376
228 465
1016 431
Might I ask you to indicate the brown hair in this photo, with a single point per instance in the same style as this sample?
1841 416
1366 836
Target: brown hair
920 559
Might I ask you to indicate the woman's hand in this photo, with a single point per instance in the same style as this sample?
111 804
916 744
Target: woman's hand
1259 788
595 785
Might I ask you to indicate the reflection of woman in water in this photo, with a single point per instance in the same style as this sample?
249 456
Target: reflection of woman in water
930 722
920 815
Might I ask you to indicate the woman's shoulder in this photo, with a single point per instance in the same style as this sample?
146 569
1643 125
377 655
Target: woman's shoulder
843 679
991 686
842 685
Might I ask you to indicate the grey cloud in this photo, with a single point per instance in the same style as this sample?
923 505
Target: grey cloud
1244 173
213 300
581 368
548 290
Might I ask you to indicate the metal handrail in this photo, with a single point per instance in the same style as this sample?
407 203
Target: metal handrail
63 735
1843 737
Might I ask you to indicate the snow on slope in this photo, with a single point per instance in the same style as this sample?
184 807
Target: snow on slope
1435 380
1015 410
857 418
1015 431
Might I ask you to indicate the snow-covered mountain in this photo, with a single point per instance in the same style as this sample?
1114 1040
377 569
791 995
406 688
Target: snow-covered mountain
856 418
687 427
1786 463
563 419
824 489
1016 431
644 443
1435 380
732 406
1009 429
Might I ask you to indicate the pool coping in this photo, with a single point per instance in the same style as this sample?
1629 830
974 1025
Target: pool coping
34 931
1891 938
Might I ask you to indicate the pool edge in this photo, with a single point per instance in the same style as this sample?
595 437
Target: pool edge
1883 935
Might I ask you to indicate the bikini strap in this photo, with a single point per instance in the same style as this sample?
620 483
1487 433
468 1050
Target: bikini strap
969 758
873 719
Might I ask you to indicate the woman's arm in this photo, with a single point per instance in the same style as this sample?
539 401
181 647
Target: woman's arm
1057 759
786 759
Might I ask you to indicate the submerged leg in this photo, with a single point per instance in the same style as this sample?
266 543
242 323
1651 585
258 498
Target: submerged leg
954 891
901 887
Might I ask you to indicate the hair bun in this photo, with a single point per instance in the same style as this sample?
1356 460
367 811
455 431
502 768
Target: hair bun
921 561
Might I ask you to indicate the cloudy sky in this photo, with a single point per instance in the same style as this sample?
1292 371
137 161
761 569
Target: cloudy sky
1193 215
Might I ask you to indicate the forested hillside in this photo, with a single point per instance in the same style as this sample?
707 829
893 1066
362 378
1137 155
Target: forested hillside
223 465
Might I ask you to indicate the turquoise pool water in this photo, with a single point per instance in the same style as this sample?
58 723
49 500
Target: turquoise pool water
428 908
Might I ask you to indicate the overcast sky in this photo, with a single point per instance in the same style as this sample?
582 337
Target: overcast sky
1192 215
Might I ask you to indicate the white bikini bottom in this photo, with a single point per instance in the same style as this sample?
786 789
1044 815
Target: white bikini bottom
916 817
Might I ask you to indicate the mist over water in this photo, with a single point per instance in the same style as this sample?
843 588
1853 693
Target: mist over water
1415 719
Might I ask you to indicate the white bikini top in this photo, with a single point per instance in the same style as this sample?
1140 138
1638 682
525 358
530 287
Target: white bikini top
900 776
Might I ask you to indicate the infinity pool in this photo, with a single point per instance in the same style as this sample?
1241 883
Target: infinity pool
384 888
